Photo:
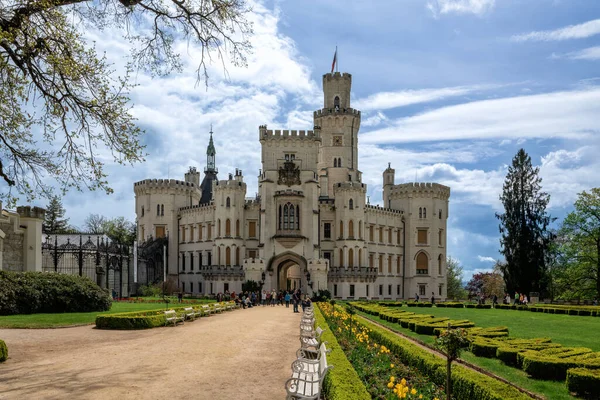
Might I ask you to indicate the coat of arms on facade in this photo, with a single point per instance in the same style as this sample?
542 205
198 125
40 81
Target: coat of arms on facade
289 174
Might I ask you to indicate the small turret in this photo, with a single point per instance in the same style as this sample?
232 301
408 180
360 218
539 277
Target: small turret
388 183
193 176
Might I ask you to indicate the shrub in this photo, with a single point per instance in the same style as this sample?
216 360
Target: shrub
321 295
554 368
484 348
573 312
342 382
3 351
584 382
45 292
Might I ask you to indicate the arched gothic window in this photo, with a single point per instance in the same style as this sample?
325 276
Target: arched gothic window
424 212
422 264
335 163
350 258
237 256
292 217
162 209
351 204
228 202
336 103
289 217
237 227
340 162
360 234
227 227
359 262
228 256
158 210
341 229
341 258
351 229
440 260
420 212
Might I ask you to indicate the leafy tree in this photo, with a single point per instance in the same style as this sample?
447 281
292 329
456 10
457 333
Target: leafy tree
63 111
580 247
118 229
524 227
487 284
54 220
454 277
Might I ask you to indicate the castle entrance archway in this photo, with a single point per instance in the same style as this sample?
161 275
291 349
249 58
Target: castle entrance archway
288 272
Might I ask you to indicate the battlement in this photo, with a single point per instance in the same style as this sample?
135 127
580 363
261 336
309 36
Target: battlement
421 188
376 208
332 111
284 134
337 75
201 208
163 182
30 212
351 186
289 192
229 183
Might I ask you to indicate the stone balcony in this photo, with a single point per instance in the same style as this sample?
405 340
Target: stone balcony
352 273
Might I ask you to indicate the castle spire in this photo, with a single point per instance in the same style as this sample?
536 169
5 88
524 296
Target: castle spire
211 153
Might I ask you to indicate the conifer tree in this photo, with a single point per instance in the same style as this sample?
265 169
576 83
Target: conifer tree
55 221
524 227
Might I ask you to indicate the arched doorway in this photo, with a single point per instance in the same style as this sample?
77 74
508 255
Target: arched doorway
288 272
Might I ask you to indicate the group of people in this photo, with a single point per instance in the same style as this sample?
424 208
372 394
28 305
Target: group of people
519 299
272 298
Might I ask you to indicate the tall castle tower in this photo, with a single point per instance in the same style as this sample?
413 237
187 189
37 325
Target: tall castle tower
339 123
210 171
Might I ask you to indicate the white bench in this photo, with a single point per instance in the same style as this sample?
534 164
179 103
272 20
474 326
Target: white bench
311 339
192 314
307 377
171 316
207 309
218 308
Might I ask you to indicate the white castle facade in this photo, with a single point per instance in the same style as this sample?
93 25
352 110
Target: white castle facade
310 226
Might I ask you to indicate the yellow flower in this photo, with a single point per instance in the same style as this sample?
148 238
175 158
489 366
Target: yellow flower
420 396
391 365
403 381
392 379
413 391
390 385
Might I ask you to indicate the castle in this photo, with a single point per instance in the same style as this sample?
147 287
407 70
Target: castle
310 226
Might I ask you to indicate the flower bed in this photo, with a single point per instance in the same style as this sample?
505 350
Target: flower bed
382 372
342 382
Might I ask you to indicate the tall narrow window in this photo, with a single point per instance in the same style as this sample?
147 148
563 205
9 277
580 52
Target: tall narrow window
237 227
341 229
280 218
228 227
292 217
424 212
252 229
339 162
389 264
439 214
336 103
420 212
440 260
142 211
381 234
327 230
209 231
422 264
191 261
335 162
218 256
371 260
237 256
228 256
158 210
285 217
359 262
371 233
199 231
297 217
218 228
398 264
360 229
351 204
162 210
341 257
390 235
350 258
183 261
351 229
381 263
228 202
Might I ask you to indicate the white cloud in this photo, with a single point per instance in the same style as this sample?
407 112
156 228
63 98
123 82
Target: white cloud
591 53
579 31
477 7
568 114
386 100
486 259
374 120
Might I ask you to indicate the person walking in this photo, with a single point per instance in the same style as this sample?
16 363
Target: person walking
287 299
263 299
273 297
432 298
295 300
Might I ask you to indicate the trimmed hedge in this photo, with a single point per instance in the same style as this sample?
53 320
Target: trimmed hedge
47 292
584 382
3 351
341 382
554 368
466 384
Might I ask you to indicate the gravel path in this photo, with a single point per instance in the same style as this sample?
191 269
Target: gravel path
239 354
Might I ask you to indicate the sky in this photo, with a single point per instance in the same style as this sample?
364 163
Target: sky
449 91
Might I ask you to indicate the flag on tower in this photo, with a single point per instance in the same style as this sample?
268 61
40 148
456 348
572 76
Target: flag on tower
334 60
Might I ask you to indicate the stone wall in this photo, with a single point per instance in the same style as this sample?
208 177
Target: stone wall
12 248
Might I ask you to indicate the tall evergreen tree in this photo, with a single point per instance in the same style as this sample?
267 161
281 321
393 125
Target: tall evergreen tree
55 221
524 227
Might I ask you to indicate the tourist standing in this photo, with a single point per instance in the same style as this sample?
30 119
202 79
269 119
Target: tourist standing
263 297
273 297
432 298
295 300
416 297
287 299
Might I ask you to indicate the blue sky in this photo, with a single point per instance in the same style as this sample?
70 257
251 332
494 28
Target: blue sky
449 90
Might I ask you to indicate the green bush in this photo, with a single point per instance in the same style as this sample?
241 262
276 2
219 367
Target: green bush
342 382
553 368
482 347
131 320
47 292
584 382
3 351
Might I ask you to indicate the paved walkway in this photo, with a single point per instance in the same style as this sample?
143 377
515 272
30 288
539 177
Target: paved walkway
239 354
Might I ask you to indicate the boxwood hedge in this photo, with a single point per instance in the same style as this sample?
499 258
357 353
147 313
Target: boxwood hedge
47 292
3 351
584 382
132 320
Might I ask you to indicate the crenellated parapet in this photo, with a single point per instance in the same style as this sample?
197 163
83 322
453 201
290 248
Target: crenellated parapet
289 192
420 189
336 111
382 210
350 187
277 134
31 212
145 185
229 184
197 209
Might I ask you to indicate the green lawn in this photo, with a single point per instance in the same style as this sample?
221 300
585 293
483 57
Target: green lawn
568 330
71 319
564 329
